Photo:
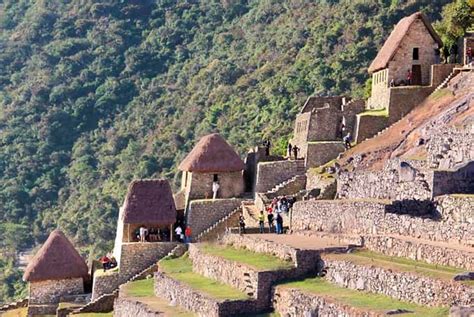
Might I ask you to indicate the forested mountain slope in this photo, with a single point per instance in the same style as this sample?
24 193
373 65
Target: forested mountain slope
96 93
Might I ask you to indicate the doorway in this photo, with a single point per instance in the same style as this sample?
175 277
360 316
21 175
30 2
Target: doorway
416 74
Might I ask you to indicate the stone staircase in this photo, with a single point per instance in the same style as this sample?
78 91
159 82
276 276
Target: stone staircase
219 228
295 181
444 84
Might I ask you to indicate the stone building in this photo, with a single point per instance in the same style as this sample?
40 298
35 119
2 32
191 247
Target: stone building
320 126
412 46
212 159
55 271
149 203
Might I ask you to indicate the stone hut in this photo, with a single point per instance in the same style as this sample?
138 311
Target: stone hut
212 159
412 46
56 270
320 126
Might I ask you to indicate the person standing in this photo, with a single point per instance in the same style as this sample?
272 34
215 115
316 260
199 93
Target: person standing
270 218
290 147
261 221
179 234
279 221
143 231
409 77
347 141
295 152
241 223
187 234
469 55
267 147
215 188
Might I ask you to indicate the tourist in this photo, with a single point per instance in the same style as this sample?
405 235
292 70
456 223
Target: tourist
295 152
291 202
437 53
153 235
445 52
279 223
392 82
261 221
347 141
215 188
105 262
113 262
267 145
284 204
290 147
270 218
187 234
143 232
409 77
241 223
179 233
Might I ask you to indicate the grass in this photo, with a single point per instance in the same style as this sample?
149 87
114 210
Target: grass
181 269
366 257
321 170
100 271
375 113
19 312
364 300
142 290
259 261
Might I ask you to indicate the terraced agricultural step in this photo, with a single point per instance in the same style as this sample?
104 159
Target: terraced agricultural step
318 297
178 284
400 278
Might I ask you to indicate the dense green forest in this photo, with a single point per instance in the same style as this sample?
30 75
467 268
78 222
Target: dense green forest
95 93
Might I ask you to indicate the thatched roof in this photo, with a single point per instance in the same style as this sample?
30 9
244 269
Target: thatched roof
315 102
392 43
149 201
57 259
212 154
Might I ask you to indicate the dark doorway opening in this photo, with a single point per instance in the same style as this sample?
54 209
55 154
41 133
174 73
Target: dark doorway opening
215 178
416 75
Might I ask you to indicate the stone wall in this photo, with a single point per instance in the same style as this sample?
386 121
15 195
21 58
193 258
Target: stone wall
106 284
371 217
379 96
270 174
457 182
50 291
420 251
439 72
202 214
349 111
449 149
125 307
189 299
400 285
404 99
456 208
301 130
325 124
367 126
199 185
319 153
292 302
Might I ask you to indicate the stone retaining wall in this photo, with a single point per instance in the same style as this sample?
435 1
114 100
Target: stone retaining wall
189 299
456 208
270 174
319 153
368 126
124 307
202 214
291 302
371 217
50 291
106 284
400 285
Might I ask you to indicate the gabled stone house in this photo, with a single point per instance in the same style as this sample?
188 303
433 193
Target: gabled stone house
321 125
56 270
212 159
413 46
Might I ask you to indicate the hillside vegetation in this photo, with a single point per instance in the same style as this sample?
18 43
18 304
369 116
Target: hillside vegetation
96 93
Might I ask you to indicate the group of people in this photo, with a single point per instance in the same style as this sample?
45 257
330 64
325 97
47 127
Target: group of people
183 236
143 234
293 150
108 262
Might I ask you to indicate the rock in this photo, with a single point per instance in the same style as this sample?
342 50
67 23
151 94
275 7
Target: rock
466 276
398 311
461 311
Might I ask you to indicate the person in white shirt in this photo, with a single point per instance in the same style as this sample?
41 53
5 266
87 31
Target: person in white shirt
215 188
179 233
143 232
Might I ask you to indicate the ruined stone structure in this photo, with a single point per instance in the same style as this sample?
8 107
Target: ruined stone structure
321 125
56 270
212 160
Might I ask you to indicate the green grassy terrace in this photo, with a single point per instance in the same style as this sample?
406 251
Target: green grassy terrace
364 300
259 261
366 257
375 113
181 269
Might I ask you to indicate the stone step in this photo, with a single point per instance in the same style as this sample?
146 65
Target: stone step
317 297
399 278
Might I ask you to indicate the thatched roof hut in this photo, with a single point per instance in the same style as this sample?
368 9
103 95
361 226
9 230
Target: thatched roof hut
149 201
392 43
212 154
57 259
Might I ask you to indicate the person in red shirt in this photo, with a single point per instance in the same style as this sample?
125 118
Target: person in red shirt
409 77
105 262
187 234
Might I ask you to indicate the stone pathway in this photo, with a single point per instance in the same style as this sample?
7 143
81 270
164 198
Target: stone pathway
301 242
